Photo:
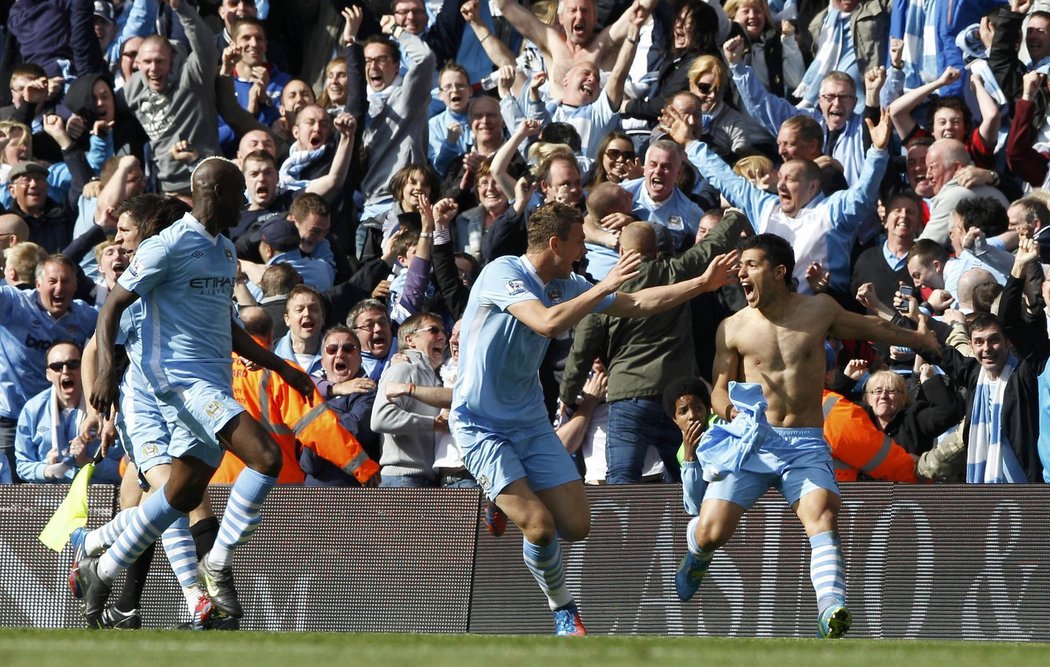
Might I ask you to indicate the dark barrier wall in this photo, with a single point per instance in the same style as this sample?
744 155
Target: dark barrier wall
951 562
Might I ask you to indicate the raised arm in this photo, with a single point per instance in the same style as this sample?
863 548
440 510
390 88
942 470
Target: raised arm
853 326
498 52
502 159
652 300
329 185
528 25
624 58
990 118
552 322
900 110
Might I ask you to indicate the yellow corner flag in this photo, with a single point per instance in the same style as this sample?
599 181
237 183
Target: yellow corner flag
71 514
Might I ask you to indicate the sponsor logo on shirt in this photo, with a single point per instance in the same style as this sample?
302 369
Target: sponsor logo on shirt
33 343
516 287
213 284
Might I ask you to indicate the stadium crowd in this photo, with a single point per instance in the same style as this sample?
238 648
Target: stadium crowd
390 149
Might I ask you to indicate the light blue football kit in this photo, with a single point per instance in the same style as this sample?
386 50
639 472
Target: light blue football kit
498 417
185 278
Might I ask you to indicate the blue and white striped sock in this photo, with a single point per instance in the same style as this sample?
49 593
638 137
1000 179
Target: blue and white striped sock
181 553
545 564
827 569
107 534
242 515
153 517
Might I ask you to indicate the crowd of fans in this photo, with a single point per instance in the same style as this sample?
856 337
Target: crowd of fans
392 147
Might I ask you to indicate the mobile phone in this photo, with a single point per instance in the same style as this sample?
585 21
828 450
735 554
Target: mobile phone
906 291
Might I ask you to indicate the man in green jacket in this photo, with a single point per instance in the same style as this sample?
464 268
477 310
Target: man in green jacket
644 355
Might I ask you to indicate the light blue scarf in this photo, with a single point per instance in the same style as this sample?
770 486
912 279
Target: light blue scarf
832 44
989 457
293 167
920 44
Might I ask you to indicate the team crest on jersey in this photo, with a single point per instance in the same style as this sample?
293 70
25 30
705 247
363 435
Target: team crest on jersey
515 287
554 294
676 223
485 483
150 449
229 254
213 408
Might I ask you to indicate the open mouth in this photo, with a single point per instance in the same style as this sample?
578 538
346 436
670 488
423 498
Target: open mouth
262 192
587 89
579 31
67 384
119 266
749 289
315 141
340 367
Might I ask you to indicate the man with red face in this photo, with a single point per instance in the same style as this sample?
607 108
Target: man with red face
573 40
30 321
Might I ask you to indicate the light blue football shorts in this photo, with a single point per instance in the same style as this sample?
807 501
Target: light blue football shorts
797 462
497 457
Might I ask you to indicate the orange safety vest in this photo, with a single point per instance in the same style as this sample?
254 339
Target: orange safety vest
857 445
291 421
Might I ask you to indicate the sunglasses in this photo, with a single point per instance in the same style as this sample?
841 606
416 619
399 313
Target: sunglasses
705 88
615 154
58 366
433 329
347 348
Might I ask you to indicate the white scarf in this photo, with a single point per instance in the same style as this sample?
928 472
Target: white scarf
58 442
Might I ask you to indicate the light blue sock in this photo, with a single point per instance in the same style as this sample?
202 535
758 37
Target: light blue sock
152 518
242 515
545 564
826 569
181 552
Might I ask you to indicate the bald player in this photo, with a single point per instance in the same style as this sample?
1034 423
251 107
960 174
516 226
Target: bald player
185 276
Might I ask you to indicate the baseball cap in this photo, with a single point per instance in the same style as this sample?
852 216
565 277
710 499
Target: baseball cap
104 10
280 234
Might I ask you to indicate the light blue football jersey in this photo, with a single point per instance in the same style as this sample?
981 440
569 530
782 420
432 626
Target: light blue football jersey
185 278
499 360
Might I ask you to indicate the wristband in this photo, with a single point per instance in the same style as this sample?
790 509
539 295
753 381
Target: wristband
426 235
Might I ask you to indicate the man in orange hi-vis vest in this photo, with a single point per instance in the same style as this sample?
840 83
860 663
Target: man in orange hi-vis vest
290 419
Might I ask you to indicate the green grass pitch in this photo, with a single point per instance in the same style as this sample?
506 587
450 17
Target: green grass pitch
81 648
